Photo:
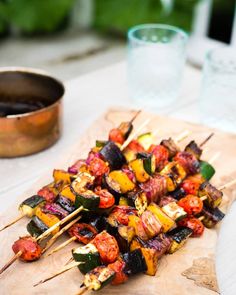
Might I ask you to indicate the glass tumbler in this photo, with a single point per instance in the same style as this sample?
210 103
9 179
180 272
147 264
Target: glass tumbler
218 91
156 58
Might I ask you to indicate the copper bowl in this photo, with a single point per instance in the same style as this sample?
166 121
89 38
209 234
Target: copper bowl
32 101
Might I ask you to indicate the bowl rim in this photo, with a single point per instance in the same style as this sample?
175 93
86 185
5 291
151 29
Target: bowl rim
39 72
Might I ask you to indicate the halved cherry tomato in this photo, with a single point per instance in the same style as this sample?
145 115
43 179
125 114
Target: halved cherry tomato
135 146
107 200
98 167
194 224
107 247
191 184
29 247
84 232
191 204
161 155
120 276
150 223
121 214
116 135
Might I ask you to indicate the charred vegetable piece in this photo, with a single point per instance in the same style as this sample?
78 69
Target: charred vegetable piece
123 201
166 200
206 170
194 149
161 155
211 216
113 155
121 214
178 193
97 167
113 187
107 247
66 204
161 244
134 262
84 232
98 222
166 222
77 166
214 196
124 237
48 219
145 140
129 155
29 247
188 161
126 128
139 200
101 143
48 193
170 145
174 171
55 209
192 183
29 206
99 277
89 255
149 162
194 224
137 224
87 198
36 227
151 259
151 224
123 182
66 192
174 211
191 204
179 237
118 267
140 173
115 135
61 175
106 198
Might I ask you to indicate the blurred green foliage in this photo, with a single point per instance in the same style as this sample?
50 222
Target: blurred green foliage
35 16
119 15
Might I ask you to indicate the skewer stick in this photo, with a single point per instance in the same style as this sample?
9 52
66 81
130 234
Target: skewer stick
134 134
182 136
214 158
135 116
58 234
83 290
12 222
69 261
61 246
201 218
65 269
59 223
206 140
227 185
11 261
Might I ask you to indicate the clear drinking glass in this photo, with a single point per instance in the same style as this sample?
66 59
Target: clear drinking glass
156 59
218 92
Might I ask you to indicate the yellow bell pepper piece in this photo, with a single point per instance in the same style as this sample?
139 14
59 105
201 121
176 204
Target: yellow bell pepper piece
123 180
66 192
139 171
61 175
47 219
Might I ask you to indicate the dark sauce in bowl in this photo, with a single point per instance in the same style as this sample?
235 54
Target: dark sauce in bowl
8 108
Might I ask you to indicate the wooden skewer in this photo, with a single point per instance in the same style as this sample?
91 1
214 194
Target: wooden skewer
214 158
69 261
135 116
58 234
59 223
83 290
134 134
11 261
201 218
61 246
65 269
12 222
227 185
182 136
206 140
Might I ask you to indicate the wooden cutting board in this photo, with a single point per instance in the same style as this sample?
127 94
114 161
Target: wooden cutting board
195 259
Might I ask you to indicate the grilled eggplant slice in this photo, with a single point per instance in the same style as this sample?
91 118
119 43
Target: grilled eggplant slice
194 149
126 128
211 216
170 145
113 155
178 194
149 162
66 204
36 227
138 199
134 262
89 255
29 206
99 277
179 237
214 196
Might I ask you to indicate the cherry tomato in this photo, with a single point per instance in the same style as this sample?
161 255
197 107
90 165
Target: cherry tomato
107 247
191 204
116 135
120 276
161 154
29 247
98 167
84 232
107 200
194 224
121 214
135 146
48 194
191 184
150 223
188 162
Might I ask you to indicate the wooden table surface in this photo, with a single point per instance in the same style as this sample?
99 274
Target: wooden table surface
87 97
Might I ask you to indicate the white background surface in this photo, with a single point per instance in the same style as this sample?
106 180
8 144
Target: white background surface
86 98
